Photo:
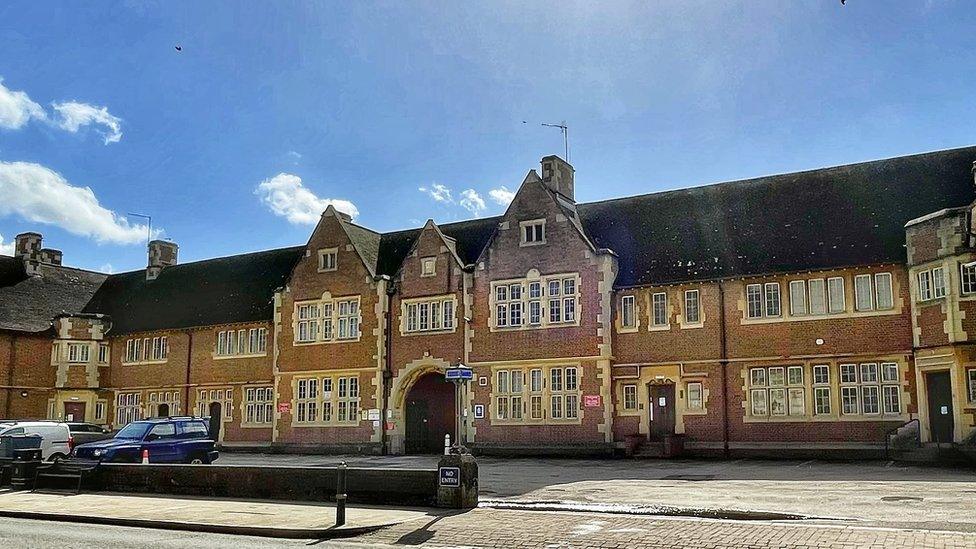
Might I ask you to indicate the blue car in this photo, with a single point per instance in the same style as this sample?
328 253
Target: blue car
168 440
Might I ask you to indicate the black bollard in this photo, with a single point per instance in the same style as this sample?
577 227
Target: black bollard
341 494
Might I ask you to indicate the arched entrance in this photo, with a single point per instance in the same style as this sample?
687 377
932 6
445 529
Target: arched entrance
163 410
430 414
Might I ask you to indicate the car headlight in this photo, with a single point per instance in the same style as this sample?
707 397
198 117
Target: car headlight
97 453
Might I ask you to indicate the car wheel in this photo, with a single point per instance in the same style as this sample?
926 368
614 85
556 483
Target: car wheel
197 460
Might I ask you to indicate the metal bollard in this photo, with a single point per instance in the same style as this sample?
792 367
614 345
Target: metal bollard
447 445
341 494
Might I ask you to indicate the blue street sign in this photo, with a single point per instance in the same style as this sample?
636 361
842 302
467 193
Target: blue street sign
450 476
459 373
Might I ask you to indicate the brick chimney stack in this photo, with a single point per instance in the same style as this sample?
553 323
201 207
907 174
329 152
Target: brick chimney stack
27 246
557 174
162 254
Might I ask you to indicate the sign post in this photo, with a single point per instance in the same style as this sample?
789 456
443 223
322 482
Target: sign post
460 375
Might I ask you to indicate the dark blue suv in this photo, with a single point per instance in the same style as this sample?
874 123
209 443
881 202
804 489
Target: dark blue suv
168 440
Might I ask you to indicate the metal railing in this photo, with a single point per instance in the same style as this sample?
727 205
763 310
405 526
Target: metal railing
889 432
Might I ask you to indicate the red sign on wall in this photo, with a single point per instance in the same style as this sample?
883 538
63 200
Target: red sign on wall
284 407
591 401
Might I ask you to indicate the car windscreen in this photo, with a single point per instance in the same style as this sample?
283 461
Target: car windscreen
134 430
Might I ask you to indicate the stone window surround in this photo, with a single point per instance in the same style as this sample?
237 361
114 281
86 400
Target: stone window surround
545 394
255 391
543 280
834 384
223 394
621 327
532 223
248 339
327 298
146 356
847 312
334 399
430 261
322 254
648 299
404 303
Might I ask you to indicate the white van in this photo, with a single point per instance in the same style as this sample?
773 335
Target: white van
55 437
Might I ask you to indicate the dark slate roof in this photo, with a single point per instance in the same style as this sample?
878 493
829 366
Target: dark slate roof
366 241
238 288
30 303
471 237
840 216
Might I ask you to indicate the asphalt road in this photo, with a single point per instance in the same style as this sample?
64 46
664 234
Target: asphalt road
40 534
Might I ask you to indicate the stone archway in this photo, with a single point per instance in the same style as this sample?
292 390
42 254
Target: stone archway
429 414
403 383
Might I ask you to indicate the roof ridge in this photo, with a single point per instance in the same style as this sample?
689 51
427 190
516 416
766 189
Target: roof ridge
757 178
218 258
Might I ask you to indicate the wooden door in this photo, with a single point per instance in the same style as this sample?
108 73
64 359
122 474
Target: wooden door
938 388
417 436
662 415
74 411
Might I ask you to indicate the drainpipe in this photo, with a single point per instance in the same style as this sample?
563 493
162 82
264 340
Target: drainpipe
725 366
189 359
388 366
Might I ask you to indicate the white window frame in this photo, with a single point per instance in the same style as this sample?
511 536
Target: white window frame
549 301
428 315
333 320
537 395
259 405
328 260
772 295
967 278
695 396
862 292
924 279
939 285
817 291
692 303
798 298
79 353
839 305
532 232
629 397
971 380
884 291
628 312
128 408
755 307
660 315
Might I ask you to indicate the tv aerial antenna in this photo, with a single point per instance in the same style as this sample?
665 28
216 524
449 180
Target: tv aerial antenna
564 129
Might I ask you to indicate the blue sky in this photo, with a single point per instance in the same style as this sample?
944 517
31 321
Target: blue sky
273 109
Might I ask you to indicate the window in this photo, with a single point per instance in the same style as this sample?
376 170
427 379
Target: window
328 259
79 352
533 232
551 394
328 400
971 377
253 341
537 303
924 285
870 388
258 405
628 312
836 301
223 396
103 354
863 297
307 401
754 300
938 283
164 403
967 278
821 389
428 266
428 315
798 298
891 390
146 349
772 299
128 408
777 391
100 408
695 398
659 307
630 397
884 296
818 298
316 321
692 307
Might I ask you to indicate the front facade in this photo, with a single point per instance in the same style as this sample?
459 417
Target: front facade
816 311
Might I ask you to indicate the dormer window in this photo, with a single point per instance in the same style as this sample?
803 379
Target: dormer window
328 259
428 266
533 232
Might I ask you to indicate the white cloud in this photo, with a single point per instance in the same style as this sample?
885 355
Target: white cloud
502 195
17 109
107 269
6 249
285 196
74 115
440 193
472 201
41 195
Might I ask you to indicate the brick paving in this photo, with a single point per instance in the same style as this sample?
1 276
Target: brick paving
497 528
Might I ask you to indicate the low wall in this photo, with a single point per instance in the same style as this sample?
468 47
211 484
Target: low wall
406 487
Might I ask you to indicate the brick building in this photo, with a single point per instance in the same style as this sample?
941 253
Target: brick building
812 311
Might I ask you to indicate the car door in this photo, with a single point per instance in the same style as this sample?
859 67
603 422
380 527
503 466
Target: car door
161 443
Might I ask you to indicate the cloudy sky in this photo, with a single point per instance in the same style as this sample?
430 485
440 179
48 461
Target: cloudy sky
396 112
